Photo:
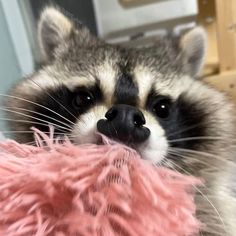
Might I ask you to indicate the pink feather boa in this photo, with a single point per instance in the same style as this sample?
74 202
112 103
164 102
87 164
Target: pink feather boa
101 190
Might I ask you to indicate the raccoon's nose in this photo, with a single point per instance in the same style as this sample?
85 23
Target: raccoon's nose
124 123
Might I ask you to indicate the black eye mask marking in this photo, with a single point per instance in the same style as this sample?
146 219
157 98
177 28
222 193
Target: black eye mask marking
84 98
61 100
185 119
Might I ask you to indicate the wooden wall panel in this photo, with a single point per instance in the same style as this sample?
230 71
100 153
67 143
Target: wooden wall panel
207 19
226 33
225 82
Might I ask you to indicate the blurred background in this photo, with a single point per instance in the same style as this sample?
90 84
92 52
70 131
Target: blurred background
133 23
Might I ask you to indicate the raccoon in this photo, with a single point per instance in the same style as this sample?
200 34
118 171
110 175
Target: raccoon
151 99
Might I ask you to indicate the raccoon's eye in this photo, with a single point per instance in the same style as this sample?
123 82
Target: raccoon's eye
83 99
161 107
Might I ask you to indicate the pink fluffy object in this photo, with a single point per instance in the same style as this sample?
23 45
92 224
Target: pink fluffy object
91 190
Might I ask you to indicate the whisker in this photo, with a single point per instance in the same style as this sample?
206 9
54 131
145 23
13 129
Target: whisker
203 195
26 131
195 138
39 105
29 122
187 128
35 118
190 155
217 157
183 130
173 152
32 143
34 112
59 103
191 160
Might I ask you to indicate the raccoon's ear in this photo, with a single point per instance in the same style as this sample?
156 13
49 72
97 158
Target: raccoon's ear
193 46
54 28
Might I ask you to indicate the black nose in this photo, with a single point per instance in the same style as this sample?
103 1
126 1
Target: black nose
124 123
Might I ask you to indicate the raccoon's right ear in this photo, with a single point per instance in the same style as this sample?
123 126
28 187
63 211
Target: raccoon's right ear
55 29
193 45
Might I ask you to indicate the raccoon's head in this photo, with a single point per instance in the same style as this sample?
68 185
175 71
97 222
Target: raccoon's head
148 98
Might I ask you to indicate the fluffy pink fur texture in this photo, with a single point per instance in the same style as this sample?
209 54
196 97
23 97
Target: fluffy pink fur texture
98 190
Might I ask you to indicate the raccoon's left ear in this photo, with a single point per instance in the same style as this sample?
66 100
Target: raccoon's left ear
193 46
55 29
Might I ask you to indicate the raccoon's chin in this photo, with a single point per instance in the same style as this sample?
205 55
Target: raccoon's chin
150 150
145 151
101 139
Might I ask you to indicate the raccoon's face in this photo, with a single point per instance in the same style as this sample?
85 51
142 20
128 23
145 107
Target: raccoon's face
146 98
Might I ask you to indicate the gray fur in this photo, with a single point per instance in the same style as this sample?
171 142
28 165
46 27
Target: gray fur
77 58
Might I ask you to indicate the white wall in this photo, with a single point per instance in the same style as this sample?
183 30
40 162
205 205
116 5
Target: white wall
9 66
18 34
16 58
111 16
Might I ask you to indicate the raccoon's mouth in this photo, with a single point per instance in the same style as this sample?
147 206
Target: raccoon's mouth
101 139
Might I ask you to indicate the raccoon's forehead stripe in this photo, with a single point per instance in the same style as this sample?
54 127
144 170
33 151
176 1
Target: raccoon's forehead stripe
144 80
107 77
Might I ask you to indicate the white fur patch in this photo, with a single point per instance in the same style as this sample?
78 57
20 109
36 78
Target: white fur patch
77 81
144 79
38 83
107 77
59 27
86 128
155 148
55 17
175 86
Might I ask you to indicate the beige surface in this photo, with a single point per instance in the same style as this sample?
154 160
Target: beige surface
224 82
207 19
218 17
226 33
